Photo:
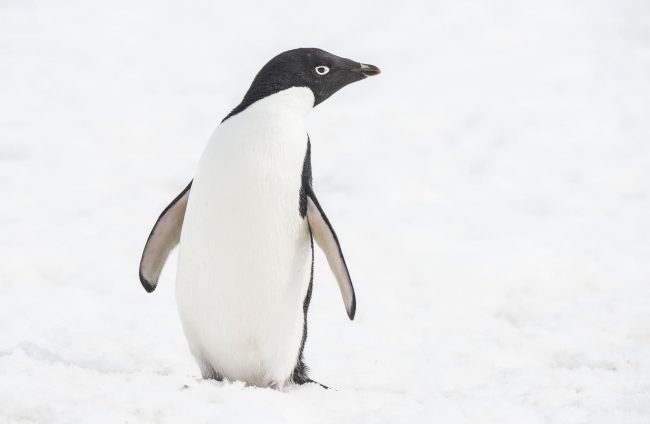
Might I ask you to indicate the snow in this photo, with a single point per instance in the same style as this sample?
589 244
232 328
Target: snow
491 190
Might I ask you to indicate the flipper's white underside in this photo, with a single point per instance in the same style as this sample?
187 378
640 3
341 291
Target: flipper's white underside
326 238
164 236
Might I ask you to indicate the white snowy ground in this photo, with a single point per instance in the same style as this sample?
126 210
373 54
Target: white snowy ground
491 189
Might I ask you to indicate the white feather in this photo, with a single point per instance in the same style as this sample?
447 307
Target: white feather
245 256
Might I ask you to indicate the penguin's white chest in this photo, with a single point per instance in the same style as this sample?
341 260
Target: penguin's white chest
245 253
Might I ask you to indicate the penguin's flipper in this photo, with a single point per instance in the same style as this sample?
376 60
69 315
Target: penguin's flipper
326 238
164 236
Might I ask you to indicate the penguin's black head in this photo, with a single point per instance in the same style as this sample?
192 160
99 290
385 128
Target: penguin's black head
322 72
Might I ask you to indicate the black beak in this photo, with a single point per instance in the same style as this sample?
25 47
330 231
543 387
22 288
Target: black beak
368 70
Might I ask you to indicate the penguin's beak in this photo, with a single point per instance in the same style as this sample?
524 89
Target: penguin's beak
368 70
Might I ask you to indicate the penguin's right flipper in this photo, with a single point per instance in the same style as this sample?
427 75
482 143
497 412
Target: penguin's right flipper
326 238
164 236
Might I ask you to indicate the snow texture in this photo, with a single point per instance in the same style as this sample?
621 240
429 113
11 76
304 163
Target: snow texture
491 190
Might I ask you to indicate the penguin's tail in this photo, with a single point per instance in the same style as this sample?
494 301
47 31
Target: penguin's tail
309 380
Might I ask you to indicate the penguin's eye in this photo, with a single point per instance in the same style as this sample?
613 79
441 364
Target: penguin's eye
321 70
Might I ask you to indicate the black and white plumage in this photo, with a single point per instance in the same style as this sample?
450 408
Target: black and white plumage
245 266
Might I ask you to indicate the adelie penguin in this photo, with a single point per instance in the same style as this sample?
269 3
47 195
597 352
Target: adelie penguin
248 220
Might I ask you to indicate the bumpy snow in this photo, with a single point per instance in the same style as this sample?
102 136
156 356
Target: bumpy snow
491 190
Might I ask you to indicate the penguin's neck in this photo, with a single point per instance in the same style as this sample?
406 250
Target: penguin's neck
294 102
276 120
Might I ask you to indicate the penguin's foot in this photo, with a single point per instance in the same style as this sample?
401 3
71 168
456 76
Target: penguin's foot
275 385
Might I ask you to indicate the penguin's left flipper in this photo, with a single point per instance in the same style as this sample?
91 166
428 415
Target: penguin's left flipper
164 236
327 240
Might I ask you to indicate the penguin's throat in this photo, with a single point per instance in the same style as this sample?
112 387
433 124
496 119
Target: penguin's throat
294 102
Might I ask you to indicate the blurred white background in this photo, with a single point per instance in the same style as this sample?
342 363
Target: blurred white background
490 188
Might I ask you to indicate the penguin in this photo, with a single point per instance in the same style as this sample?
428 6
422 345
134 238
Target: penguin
246 226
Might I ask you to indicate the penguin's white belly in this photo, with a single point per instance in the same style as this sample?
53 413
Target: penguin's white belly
245 254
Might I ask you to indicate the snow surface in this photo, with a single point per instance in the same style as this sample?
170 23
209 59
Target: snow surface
491 190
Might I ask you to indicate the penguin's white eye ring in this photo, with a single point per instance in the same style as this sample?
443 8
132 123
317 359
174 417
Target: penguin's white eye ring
321 70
